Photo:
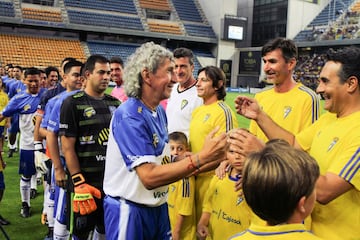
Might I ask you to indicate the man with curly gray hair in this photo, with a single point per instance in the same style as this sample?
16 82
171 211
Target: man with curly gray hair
138 166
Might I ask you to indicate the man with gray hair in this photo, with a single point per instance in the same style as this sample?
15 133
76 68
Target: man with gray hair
138 166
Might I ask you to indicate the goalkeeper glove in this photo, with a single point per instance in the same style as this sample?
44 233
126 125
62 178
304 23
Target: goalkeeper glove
83 200
42 161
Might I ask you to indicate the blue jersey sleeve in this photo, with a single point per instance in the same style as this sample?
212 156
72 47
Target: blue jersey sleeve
54 118
12 107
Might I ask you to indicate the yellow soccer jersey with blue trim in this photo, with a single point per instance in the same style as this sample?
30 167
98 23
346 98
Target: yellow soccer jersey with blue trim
293 110
335 144
205 118
4 99
181 201
229 212
278 232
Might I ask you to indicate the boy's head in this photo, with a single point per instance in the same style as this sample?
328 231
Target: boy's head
178 143
279 183
236 160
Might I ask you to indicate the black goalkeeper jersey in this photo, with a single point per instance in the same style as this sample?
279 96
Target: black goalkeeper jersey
87 119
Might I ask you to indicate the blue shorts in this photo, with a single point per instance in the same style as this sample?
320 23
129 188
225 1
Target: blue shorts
14 127
128 220
2 182
2 131
26 163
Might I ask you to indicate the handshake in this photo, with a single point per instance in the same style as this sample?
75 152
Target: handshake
42 161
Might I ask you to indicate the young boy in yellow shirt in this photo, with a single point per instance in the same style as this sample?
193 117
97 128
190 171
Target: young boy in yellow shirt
224 211
279 186
181 197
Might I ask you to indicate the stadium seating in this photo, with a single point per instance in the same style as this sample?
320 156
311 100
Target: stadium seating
199 30
7 9
164 27
155 4
106 20
28 51
109 50
43 15
187 11
123 6
323 20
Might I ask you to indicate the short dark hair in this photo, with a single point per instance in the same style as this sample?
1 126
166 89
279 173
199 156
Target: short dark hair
31 71
18 67
90 62
276 178
50 69
216 75
71 64
117 60
184 52
287 47
179 136
349 57
67 59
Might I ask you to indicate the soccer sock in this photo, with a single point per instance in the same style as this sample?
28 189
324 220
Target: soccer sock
25 190
11 146
49 209
60 231
33 183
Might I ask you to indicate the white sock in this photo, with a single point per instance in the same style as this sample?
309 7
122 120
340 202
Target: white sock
33 182
49 209
25 189
60 231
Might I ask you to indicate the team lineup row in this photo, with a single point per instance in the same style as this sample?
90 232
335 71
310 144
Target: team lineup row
140 165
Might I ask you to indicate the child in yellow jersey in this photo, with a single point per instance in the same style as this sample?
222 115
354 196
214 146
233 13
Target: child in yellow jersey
224 211
279 186
181 197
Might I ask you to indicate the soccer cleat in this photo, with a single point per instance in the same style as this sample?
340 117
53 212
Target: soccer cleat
11 152
33 193
25 210
3 221
50 234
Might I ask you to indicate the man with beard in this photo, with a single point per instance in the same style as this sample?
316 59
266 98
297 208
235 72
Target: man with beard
117 69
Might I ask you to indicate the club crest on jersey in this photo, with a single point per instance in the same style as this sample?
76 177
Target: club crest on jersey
89 112
27 107
287 110
86 140
332 144
184 103
207 116
140 109
239 200
155 140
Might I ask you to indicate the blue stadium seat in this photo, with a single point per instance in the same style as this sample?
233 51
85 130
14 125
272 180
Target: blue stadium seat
187 11
7 9
106 20
200 30
123 6
109 50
